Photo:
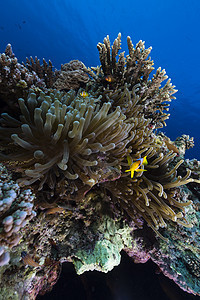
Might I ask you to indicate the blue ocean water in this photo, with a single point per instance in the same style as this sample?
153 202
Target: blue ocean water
62 30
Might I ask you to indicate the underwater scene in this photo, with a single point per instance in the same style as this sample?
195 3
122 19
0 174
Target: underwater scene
99 150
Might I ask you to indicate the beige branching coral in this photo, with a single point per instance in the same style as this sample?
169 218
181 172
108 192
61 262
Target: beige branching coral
15 78
44 71
184 143
109 64
133 71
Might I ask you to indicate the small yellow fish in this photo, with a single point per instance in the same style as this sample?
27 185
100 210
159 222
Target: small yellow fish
134 166
109 78
84 94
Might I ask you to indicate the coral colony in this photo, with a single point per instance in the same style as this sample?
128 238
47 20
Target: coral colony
83 163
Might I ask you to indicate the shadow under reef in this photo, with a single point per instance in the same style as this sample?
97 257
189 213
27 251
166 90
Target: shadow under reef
125 282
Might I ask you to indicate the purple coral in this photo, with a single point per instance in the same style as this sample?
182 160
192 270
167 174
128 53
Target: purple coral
4 257
15 78
16 210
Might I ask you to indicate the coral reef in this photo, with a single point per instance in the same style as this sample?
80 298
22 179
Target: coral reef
44 71
71 76
179 259
184 143
82 151
106 253
133 72
60 237
16 210
15 79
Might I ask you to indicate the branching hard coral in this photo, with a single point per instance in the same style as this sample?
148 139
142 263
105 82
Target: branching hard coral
15 79
63 136
44 71
71 76
184 143
109 64
133 72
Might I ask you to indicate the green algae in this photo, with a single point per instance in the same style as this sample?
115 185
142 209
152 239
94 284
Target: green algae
106 253
7 293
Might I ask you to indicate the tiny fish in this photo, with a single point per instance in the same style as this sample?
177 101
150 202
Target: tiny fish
109 78
27 260
54 210
84 94
134 166
151 126
171 146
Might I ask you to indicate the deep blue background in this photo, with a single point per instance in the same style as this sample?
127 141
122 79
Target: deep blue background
62 30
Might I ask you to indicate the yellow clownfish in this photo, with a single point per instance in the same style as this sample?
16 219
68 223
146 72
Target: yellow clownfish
84 94
134 166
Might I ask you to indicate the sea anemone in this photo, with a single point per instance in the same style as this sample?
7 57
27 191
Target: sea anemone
63 135
144 99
